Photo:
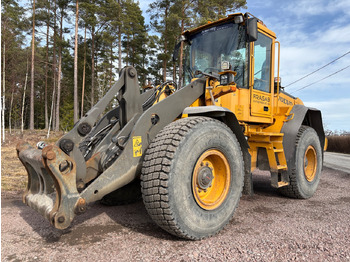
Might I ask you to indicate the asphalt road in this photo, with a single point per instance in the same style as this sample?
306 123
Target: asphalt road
337 161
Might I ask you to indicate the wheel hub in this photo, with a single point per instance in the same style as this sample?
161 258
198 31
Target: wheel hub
211 179
205 177
310 163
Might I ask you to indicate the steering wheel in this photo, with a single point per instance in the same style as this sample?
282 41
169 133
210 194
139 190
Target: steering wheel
211 68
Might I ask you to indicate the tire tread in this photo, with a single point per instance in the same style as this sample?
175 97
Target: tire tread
292 189
156 169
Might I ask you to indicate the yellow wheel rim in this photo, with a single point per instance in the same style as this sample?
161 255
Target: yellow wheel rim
211 179
310 163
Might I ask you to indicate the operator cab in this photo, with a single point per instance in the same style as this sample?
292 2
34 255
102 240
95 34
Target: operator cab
247 46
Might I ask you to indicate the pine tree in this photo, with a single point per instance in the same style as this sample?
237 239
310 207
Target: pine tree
31 121
14 25
214 9
43 16
90 10
134 39
160 15
76 108
62 5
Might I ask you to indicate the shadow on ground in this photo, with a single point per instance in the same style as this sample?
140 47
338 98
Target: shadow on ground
123 219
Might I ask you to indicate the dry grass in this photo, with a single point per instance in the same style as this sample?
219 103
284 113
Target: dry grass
13 174
340 144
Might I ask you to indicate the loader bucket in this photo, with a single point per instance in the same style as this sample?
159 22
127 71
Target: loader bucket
51 189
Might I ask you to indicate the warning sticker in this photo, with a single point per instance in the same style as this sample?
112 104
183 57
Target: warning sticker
137 146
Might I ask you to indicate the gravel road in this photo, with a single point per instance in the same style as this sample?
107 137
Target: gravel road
266 227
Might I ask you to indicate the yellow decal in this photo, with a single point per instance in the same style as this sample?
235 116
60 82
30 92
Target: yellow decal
261 99
285 101
239 111
137 146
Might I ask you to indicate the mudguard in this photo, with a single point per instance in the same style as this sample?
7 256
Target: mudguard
301 115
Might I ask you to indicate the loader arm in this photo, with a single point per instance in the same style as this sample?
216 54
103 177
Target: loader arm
58 174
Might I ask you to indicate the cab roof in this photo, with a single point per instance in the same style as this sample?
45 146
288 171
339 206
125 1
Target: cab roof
229 18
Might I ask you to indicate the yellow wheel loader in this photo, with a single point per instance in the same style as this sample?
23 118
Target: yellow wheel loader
190 149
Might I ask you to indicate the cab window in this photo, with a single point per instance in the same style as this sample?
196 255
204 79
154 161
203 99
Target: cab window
262 63
207 49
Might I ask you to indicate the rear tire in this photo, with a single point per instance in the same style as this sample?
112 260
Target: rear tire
192 177
306 171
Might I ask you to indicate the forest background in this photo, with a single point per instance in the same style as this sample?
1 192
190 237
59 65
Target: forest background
59 57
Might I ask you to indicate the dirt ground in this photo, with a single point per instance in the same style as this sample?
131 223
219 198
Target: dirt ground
265 227
13 174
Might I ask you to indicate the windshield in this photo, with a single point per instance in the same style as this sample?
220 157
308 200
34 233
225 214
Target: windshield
207 49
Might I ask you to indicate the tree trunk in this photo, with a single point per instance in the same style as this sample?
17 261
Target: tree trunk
92 65
181 46
119 50
46 72
52 111
3 92
10 111
165 45
127 51
119 40
57 127
31 120
24 98
164 64
111 67
76 109
83 87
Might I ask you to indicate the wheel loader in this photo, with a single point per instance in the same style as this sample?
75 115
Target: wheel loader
190 149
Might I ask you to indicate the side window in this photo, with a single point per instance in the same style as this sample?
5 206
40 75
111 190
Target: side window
262 62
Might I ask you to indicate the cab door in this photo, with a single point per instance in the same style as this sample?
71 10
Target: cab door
261 91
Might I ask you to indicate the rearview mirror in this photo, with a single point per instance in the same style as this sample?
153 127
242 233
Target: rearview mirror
252 29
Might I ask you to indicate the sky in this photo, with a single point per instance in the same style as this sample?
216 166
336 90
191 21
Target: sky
312 33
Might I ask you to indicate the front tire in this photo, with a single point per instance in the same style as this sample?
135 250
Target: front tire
306 171
192 177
